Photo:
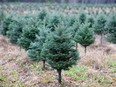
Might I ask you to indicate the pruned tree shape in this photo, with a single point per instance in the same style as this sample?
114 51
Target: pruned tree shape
59 50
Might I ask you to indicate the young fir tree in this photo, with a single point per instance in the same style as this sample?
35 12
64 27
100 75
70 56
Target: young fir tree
42 15
82 17
111 29
53 21
70 20
35 48
59 50
90 20
85 36
15 30
28 36
99 26
5 24
73 29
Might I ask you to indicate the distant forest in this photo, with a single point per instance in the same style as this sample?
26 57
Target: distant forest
66 1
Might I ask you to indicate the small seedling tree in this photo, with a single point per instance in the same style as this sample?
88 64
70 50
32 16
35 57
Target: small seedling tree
99 26
59 50
35 48
85 36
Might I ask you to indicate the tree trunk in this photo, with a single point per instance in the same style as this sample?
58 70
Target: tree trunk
85 49
76 46
43 64
101 40
59 76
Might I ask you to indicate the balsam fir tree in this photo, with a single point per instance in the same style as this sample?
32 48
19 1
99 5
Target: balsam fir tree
85 36
111 29
90 20
59 50
15 30
35 48
70 20
42 15
82 17
5 24
99 26
28 36
53 21
73 29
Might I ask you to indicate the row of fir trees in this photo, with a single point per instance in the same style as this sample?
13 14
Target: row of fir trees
54 38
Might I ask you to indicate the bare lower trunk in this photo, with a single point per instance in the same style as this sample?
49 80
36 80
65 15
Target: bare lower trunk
85 50
59 76
43 64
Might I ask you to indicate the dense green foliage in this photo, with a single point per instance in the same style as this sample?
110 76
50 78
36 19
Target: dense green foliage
91 21
29 32
59 50
35 48
82 17
85 36
53 21
5 24
15 30
99 26
111 29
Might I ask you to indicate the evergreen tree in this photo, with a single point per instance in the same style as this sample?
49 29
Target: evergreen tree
14 31
70 20
59 50
90 20
42 15
99 26
111 29
5 24
73 29
28 35
85 36
35 48
53 21
82 17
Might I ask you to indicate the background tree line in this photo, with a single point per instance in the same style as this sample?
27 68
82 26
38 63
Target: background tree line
66 1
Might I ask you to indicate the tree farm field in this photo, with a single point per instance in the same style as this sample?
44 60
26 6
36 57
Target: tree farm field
57 45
